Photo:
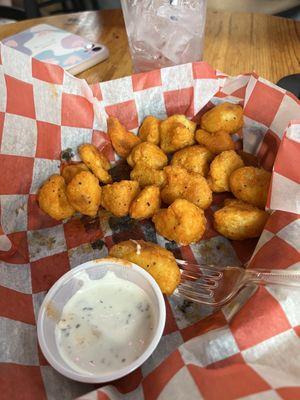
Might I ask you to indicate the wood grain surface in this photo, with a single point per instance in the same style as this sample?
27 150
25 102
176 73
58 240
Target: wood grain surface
234 42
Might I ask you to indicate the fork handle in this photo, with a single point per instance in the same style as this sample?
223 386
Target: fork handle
273 277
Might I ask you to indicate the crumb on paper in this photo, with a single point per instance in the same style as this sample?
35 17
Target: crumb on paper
43 241
67 154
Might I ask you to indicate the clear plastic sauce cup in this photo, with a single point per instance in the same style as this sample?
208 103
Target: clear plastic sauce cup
55 300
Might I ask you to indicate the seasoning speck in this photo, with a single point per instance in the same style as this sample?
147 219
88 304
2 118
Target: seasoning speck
77 326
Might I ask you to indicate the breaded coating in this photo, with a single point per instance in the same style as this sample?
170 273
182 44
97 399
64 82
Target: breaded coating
193 159
146 203
215 142
96 161
176 132
122 140
147 176
118 197
69 171
149 130
159 262
221 168
251 185
149 154
181 184
182 222
224 117
52 198
84 193
238 220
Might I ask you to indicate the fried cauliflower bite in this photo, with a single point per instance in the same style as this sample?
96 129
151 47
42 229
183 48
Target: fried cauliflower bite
159 262
193 159
251 185
224 117
149 154
186 185
215 142
95 161
149 130
122 140
69 171
221 168
146 203
52 198
238 220
182 222
118 197
147 176
176 132
84 193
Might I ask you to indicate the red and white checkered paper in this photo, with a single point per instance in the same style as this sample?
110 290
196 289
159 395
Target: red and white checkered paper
249 352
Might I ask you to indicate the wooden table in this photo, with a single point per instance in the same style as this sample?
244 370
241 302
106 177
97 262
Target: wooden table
234 42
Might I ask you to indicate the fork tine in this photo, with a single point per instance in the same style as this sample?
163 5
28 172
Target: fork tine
206 270
200 284
185 275
195 296
190 264
199 273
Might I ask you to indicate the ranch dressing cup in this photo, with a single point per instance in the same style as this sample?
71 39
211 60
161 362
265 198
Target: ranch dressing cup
101 320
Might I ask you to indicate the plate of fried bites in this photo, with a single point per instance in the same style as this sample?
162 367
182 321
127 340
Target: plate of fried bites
176 167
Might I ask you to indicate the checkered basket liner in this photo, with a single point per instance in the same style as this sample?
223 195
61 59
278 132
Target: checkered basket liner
249 352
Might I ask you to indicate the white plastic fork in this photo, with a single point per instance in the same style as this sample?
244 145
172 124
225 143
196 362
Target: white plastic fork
216 286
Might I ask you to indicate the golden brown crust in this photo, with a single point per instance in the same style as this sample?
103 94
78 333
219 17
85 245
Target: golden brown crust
84 193
238 220
122 140
146 203
118 197
149 130
181 184
215 142
251 185
193 159
52 198
149 154
69 171
146 175
226 116
95 161
221 168
176 132
159 262
182 222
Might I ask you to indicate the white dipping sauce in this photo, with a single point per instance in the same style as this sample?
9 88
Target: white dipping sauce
105 325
